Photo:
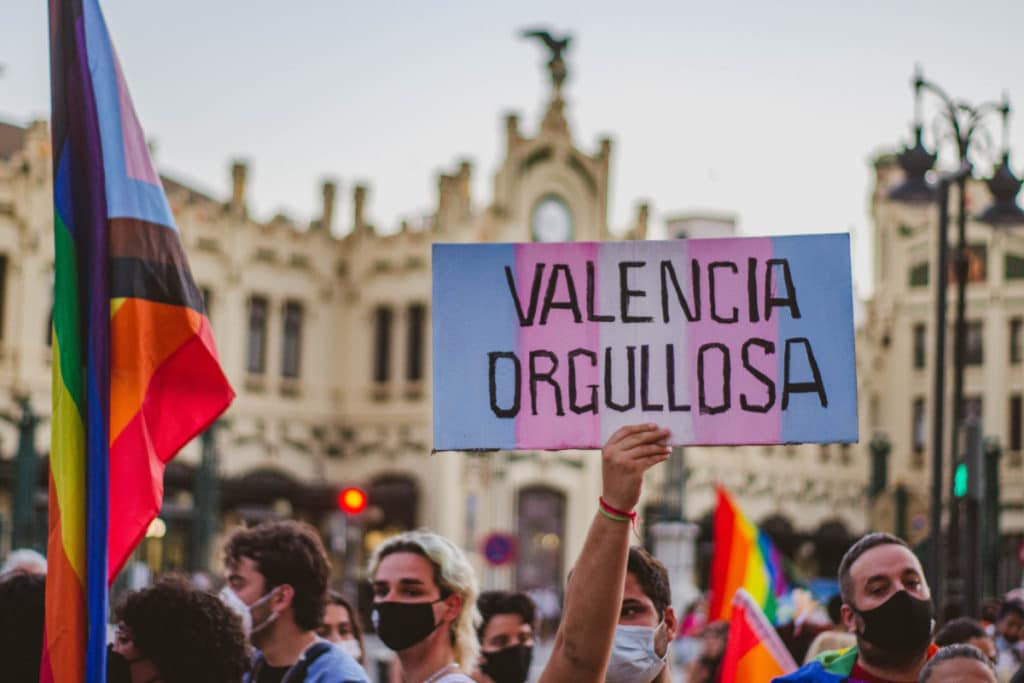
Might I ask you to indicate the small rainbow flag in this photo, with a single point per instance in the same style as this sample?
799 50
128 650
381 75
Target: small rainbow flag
744 557
135 368
754 653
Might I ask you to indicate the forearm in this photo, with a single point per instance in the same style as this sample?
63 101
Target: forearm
592 603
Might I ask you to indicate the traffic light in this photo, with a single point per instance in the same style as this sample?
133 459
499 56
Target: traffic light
352 500
960 480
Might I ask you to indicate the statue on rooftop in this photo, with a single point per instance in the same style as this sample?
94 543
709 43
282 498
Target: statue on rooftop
556 46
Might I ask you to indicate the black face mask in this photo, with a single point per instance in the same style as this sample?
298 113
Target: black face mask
400 625
509 665
118 669
902 625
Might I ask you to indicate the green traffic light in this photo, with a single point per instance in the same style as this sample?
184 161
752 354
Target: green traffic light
960 480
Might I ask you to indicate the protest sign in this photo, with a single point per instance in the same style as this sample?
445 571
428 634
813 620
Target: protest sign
723 341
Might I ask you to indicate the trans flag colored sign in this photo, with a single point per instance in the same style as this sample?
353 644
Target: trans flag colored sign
723 341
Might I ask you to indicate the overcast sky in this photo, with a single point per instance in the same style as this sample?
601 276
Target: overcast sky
769 110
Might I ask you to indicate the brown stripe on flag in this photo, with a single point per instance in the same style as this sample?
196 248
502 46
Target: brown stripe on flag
137 239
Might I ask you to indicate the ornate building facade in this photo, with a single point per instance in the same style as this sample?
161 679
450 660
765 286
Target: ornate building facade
327 340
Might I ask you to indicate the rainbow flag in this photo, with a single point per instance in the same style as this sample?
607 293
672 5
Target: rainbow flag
744 557
135 368
754 653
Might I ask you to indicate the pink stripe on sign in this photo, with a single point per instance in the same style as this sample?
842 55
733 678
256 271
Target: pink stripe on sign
137 162
566 266
732 300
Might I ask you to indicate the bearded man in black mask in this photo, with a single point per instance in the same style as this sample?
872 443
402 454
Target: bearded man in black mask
887 605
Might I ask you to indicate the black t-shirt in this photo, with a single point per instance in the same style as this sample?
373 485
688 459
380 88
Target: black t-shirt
271 674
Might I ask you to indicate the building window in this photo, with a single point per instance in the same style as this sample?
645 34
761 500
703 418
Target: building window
256 358
290 361
974 343
917 436
1014 266
540 522
977 264
207 295
920 353
414 342
1016 327
3 292
919 275
1016 435
973 409
382 344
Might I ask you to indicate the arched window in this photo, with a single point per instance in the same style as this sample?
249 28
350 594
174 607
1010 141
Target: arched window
541 530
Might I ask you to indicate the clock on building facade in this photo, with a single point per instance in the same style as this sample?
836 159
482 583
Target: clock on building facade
551 220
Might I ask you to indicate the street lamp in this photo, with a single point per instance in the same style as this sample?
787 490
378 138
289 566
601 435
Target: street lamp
964 124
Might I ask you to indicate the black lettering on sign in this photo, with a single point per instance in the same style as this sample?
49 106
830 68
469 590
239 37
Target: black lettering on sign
735 315
526 319
769 349
645 380
752 289
670 377
770 300
668 272
593 316
815 386
625 293
706 409
573 405
570 304
537 376
630 381
492 370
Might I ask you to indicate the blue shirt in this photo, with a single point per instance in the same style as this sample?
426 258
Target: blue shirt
334 665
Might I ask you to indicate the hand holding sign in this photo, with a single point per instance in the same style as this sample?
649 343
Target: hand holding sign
631 451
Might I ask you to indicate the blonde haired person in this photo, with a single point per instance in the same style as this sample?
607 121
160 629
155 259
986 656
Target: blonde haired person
424 608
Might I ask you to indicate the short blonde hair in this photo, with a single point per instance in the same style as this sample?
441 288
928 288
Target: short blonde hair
453 574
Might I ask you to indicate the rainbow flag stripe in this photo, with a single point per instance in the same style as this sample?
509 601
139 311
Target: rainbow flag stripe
754 651
744 557
135 368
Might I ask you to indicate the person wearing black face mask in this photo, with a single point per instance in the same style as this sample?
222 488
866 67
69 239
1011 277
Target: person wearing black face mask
887 605
424 606
506 637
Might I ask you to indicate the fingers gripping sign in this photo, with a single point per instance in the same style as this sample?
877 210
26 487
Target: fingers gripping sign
630 452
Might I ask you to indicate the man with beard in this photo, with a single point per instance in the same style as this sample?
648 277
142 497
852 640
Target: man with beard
887 606
277 582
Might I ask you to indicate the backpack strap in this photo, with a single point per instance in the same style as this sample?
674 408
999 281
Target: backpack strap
298 672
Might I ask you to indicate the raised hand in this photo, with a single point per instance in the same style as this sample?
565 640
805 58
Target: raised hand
630 452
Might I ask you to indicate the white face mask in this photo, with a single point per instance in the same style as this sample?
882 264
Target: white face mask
244 611
633 657
351 648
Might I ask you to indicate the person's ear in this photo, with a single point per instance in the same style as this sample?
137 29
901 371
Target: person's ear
671 624
283 596
850 619
452 607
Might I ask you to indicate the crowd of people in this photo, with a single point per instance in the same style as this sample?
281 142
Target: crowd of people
276 621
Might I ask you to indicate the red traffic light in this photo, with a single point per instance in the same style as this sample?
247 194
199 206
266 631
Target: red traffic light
352 500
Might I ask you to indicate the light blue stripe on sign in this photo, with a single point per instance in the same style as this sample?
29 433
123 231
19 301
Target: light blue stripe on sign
820 266
462 414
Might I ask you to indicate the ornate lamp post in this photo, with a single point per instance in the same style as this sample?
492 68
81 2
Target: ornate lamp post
963 124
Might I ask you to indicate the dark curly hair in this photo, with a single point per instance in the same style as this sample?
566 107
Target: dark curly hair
291 553
493 603
652 577
190 635
22 608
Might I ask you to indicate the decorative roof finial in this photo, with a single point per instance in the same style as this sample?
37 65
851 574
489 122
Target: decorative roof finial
556 46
